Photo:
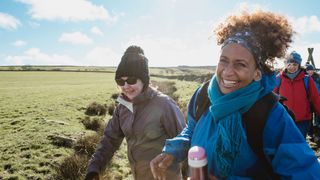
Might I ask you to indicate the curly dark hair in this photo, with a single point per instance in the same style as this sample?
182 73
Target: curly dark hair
272 31
134 49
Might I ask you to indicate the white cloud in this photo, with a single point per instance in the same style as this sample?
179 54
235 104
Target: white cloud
102 56
8 22
164 51
193 47
34 56
305 24
75 38
19 43
67 10
96 30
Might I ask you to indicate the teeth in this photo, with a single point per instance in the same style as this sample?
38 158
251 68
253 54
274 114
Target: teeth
229 82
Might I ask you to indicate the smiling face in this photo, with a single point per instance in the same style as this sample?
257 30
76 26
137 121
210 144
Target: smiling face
292 67
236 68
133 90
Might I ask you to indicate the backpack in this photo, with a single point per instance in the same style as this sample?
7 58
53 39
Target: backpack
306 86
254 121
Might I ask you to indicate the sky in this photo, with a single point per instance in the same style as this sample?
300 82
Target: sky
171 32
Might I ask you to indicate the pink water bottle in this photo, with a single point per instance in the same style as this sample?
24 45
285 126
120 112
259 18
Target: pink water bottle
197 161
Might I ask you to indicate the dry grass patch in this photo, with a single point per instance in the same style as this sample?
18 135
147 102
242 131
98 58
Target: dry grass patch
93 123
87 144
96 109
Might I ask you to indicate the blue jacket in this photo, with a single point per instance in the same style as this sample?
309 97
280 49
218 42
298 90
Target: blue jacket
283 144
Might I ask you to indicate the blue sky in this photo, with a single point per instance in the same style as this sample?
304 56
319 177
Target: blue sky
171 32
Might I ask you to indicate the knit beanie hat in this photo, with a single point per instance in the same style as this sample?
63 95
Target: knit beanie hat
309 67
294 57
134 63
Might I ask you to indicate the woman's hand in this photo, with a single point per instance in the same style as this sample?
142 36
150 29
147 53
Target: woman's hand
160 164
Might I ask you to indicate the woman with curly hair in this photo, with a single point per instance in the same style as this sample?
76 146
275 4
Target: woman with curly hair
244 78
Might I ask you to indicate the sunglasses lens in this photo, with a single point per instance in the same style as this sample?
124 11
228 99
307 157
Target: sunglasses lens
132 80
120 82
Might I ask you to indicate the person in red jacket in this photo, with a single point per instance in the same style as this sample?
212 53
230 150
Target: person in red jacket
291 85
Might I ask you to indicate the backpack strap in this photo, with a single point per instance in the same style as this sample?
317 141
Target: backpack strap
202 101
254 121
306 84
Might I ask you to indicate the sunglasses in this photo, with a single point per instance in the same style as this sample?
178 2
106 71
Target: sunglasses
130 81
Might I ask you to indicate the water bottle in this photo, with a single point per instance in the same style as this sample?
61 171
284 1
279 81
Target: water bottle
197 161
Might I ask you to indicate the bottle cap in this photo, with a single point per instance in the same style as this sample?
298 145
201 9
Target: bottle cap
197 157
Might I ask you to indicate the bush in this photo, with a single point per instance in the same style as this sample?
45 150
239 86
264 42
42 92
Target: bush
86 145
114 96
93 123
95 109
72 167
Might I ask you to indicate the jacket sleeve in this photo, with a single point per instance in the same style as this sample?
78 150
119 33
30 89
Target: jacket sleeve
110 142
314 95
286 149
179 145
172 120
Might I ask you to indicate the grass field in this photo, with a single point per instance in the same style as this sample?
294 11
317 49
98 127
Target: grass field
37 105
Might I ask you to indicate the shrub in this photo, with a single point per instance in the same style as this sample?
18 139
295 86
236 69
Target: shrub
72 167
95 109
86 145
93 123
114 96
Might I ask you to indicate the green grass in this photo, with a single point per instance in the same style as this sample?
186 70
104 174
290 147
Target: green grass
36 105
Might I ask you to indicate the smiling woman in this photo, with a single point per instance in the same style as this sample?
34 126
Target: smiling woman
144 116
244 80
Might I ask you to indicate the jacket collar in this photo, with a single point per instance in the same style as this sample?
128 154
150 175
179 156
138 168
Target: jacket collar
300 75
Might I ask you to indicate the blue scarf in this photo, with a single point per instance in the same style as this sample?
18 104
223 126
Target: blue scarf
226 110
